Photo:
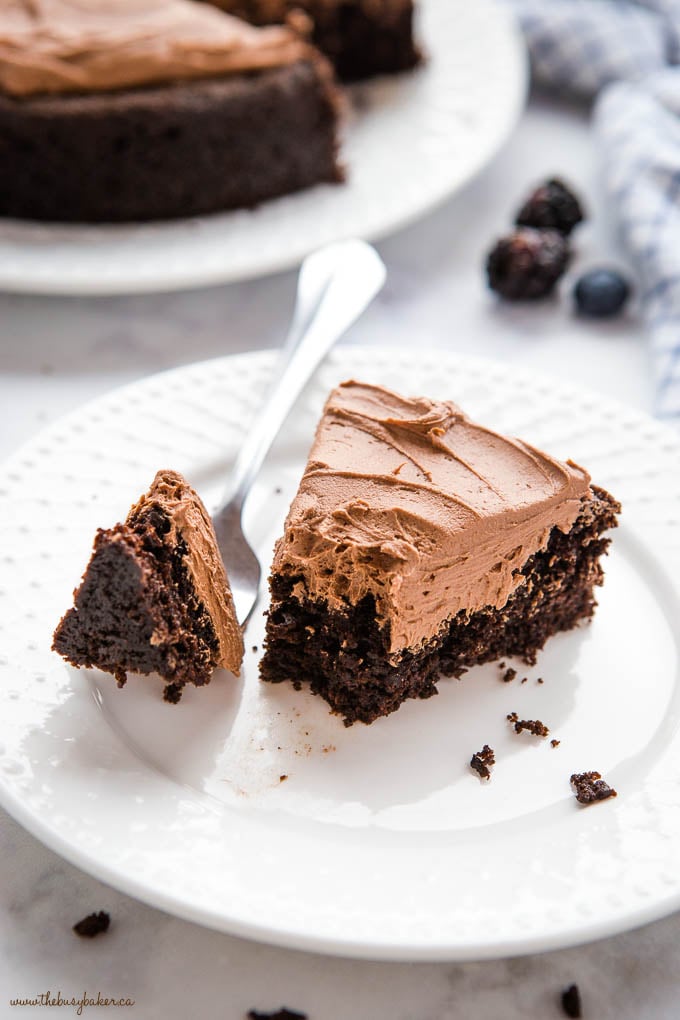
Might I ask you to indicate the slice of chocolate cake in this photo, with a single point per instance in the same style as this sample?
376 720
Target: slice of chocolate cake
420 543
123 110
362 38
155 596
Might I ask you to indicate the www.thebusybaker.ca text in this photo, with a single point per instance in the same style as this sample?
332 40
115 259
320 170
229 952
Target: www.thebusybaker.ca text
79 1004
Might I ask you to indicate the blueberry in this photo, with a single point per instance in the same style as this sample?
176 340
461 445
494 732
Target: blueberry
601 292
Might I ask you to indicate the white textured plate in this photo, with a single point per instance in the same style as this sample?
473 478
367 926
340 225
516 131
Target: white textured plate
411 141
380 842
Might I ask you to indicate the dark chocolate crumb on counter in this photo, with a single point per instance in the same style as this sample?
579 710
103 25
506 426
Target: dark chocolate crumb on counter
254 648
533 726
571 1002
540 680
509 675
555 743
280 1014
590 786
483 761
282 779
524 679
93 924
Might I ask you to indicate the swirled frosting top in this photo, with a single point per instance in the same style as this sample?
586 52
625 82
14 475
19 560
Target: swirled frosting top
411 502
188 518
65 46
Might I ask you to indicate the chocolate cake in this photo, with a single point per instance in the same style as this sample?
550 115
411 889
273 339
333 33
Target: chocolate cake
155 596
420 544
361 37
118 110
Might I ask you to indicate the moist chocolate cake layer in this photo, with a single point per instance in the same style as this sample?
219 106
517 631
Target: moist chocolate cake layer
136 588
344 656
169 151
362 38
155 597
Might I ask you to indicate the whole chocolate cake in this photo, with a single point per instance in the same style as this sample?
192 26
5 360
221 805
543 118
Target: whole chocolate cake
361 37
115 110
420 543
155 596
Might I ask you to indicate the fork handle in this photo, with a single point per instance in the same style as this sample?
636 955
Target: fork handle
335 285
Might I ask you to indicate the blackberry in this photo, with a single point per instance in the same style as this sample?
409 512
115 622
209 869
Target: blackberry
552 206
601 292
527 264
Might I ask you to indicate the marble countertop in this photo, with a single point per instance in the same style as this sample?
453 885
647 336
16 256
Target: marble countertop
57 353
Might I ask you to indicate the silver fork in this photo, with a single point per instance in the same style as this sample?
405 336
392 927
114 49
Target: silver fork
335 285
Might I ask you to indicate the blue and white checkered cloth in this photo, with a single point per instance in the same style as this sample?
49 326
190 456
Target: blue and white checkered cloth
626 55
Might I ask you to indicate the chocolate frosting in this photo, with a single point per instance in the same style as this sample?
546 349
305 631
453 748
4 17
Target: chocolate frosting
189 518
411 502
62 46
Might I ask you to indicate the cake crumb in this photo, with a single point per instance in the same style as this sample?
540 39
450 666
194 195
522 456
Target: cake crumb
282 779
483 761
280 1014
555 743
254 648
590 786
533 726
571 1002
501 665
93 924
524 679
509 675
540 680
173 693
